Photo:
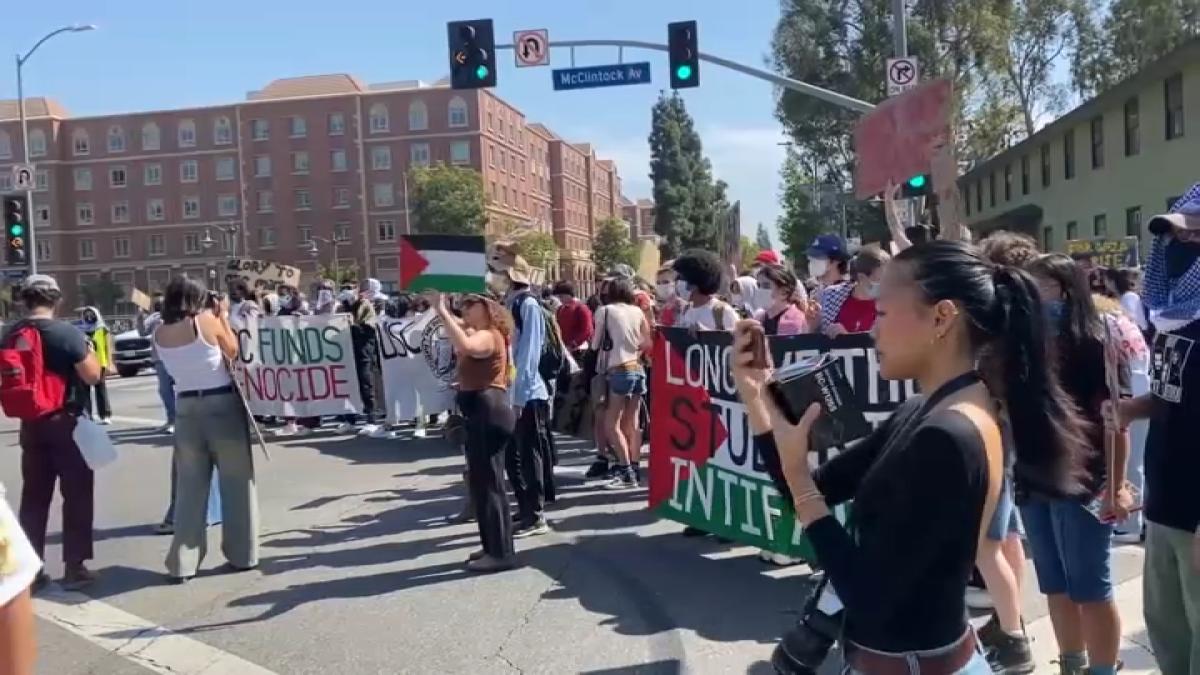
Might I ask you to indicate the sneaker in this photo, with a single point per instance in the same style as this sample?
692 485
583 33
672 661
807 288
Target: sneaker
40 582
1010 654
623 479
778 559
77 577
167 429
420 432
381 432
368 430
104 420
289 429
537 527
346 428
599 469
978 598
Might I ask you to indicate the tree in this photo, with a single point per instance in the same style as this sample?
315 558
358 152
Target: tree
342 275
538 248
799 222
103 294
612 245
1133 33
762 238
686 199
749 251
447 199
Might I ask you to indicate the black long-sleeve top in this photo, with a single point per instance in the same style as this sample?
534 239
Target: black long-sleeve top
902 574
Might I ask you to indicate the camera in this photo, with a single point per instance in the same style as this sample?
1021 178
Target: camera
805 647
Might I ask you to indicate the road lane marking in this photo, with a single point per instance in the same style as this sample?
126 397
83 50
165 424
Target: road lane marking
138 420
134 639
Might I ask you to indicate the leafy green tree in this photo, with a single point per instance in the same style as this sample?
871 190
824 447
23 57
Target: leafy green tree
686 198
103 294
447 199
1115 44
538 248
749 250
799 220
762 238
343 274
612 245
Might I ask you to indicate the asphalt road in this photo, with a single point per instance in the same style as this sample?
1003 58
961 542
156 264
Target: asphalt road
361 575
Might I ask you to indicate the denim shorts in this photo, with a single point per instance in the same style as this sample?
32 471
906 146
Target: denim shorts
1071 550
627 382
1005 519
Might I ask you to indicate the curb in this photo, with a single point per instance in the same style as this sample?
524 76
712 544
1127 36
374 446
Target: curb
1138 658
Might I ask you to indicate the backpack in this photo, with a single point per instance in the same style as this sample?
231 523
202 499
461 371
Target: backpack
553 362
28 390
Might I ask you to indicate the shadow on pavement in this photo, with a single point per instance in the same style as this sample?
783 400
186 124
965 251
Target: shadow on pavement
667 667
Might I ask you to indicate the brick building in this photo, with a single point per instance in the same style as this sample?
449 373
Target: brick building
140 197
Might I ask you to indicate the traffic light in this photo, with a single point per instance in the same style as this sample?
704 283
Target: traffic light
472 54
684 54
16 230
917 186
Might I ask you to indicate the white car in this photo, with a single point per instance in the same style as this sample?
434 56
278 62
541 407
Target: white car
132 353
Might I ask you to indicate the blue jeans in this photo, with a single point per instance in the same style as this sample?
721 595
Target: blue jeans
166 391
1005 520
1071 550
978 664
627 382
214 498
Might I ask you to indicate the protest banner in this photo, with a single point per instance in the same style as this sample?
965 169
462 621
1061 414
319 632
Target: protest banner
418 365
704 468
899 138
262 275
298 366
1109 252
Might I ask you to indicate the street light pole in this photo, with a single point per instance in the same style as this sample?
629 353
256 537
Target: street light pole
24 121
334 243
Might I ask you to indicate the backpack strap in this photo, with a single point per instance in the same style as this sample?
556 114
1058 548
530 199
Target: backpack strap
718 312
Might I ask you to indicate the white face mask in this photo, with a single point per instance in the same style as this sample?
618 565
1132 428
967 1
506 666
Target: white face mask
764 298
665 291
818 267
683 289
347 295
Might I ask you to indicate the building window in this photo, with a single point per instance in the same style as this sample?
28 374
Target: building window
224 168
1072 231
341 198
117 177
5 145
1100 226
155 210
1069 154
297 127
87 249
83 178
1173 106
1047 238
457 113
341 232
191 207
1133 131
1008 177
381 157
383 194
303 200
1133 222
260 130
37 143
266 200
121 247
379 119
41 179
299 162
1024 174
191 243
460 152
82 144
337 160
152 174
1045 165
116 139
120 212
6 182
418 116
991 190
266 237
222 131
262 166
151 137
43 214
43 250
337 124
419 154
227 205
187 134
156 244
84 214
1097 132
385 231
304 236
189 171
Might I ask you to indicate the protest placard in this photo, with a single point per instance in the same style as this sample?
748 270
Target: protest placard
418 364
262 275
899 138
1109 252
704 468
298 366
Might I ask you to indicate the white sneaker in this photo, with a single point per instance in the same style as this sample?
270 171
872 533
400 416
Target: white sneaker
778 558
104 420
345 428
302 431
381 431
368 430
978 598
289 429
419 432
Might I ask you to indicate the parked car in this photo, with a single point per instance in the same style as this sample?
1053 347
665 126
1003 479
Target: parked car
132 353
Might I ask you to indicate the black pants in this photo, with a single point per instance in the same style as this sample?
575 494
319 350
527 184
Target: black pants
529 462
366 354
490 422
49 455
98 393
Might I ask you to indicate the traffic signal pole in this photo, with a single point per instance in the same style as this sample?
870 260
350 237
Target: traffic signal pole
31 252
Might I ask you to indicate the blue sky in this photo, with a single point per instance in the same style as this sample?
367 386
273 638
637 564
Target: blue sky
154 55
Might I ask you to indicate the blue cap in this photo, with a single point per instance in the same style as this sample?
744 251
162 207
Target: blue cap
829 246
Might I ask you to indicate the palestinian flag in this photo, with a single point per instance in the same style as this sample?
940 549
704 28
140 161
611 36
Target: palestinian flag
443 262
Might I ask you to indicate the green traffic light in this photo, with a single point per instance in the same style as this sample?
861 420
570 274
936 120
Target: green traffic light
683 72
916 182
16 230
481 72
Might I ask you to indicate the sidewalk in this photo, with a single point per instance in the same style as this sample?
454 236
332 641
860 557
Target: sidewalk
1135 651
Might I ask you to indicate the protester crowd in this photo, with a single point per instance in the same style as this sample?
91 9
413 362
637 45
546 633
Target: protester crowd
1055 421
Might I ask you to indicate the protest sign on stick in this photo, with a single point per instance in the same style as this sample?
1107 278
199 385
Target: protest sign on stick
298 366
262 275
704 468
896 140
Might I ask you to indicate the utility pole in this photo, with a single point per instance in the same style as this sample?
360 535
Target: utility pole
900 45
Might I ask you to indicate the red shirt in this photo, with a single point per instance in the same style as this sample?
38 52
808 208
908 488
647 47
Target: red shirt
575 322
857 316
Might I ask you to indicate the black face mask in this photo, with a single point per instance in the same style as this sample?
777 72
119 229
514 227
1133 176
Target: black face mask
1181 255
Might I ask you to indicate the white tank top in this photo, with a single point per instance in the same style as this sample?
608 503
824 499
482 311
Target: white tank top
196 366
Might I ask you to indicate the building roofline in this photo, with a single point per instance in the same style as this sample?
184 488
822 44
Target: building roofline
1172 62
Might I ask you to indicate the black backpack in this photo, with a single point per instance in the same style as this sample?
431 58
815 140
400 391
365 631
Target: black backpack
553 362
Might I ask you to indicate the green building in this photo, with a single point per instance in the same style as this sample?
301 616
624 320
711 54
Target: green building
1101 170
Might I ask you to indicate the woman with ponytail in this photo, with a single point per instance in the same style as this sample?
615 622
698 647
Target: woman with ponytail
926 481
780 301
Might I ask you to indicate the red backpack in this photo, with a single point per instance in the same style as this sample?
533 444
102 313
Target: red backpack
28 390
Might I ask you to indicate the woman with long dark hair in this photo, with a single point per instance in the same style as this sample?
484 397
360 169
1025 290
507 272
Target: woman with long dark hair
925 481
482 344
1071 538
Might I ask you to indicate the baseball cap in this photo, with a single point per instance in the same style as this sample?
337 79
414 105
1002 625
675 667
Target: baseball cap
828 246
621 271
1184 215
43 280
767 257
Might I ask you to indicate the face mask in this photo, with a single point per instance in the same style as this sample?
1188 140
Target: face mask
1181 255
1054 313
284 297
873 290
347 296
817 267
683 289
665 291
764 298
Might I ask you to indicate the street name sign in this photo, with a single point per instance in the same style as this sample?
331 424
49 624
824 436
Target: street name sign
593 77
532 47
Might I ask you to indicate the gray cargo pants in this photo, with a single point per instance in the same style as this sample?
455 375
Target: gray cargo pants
1171 593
